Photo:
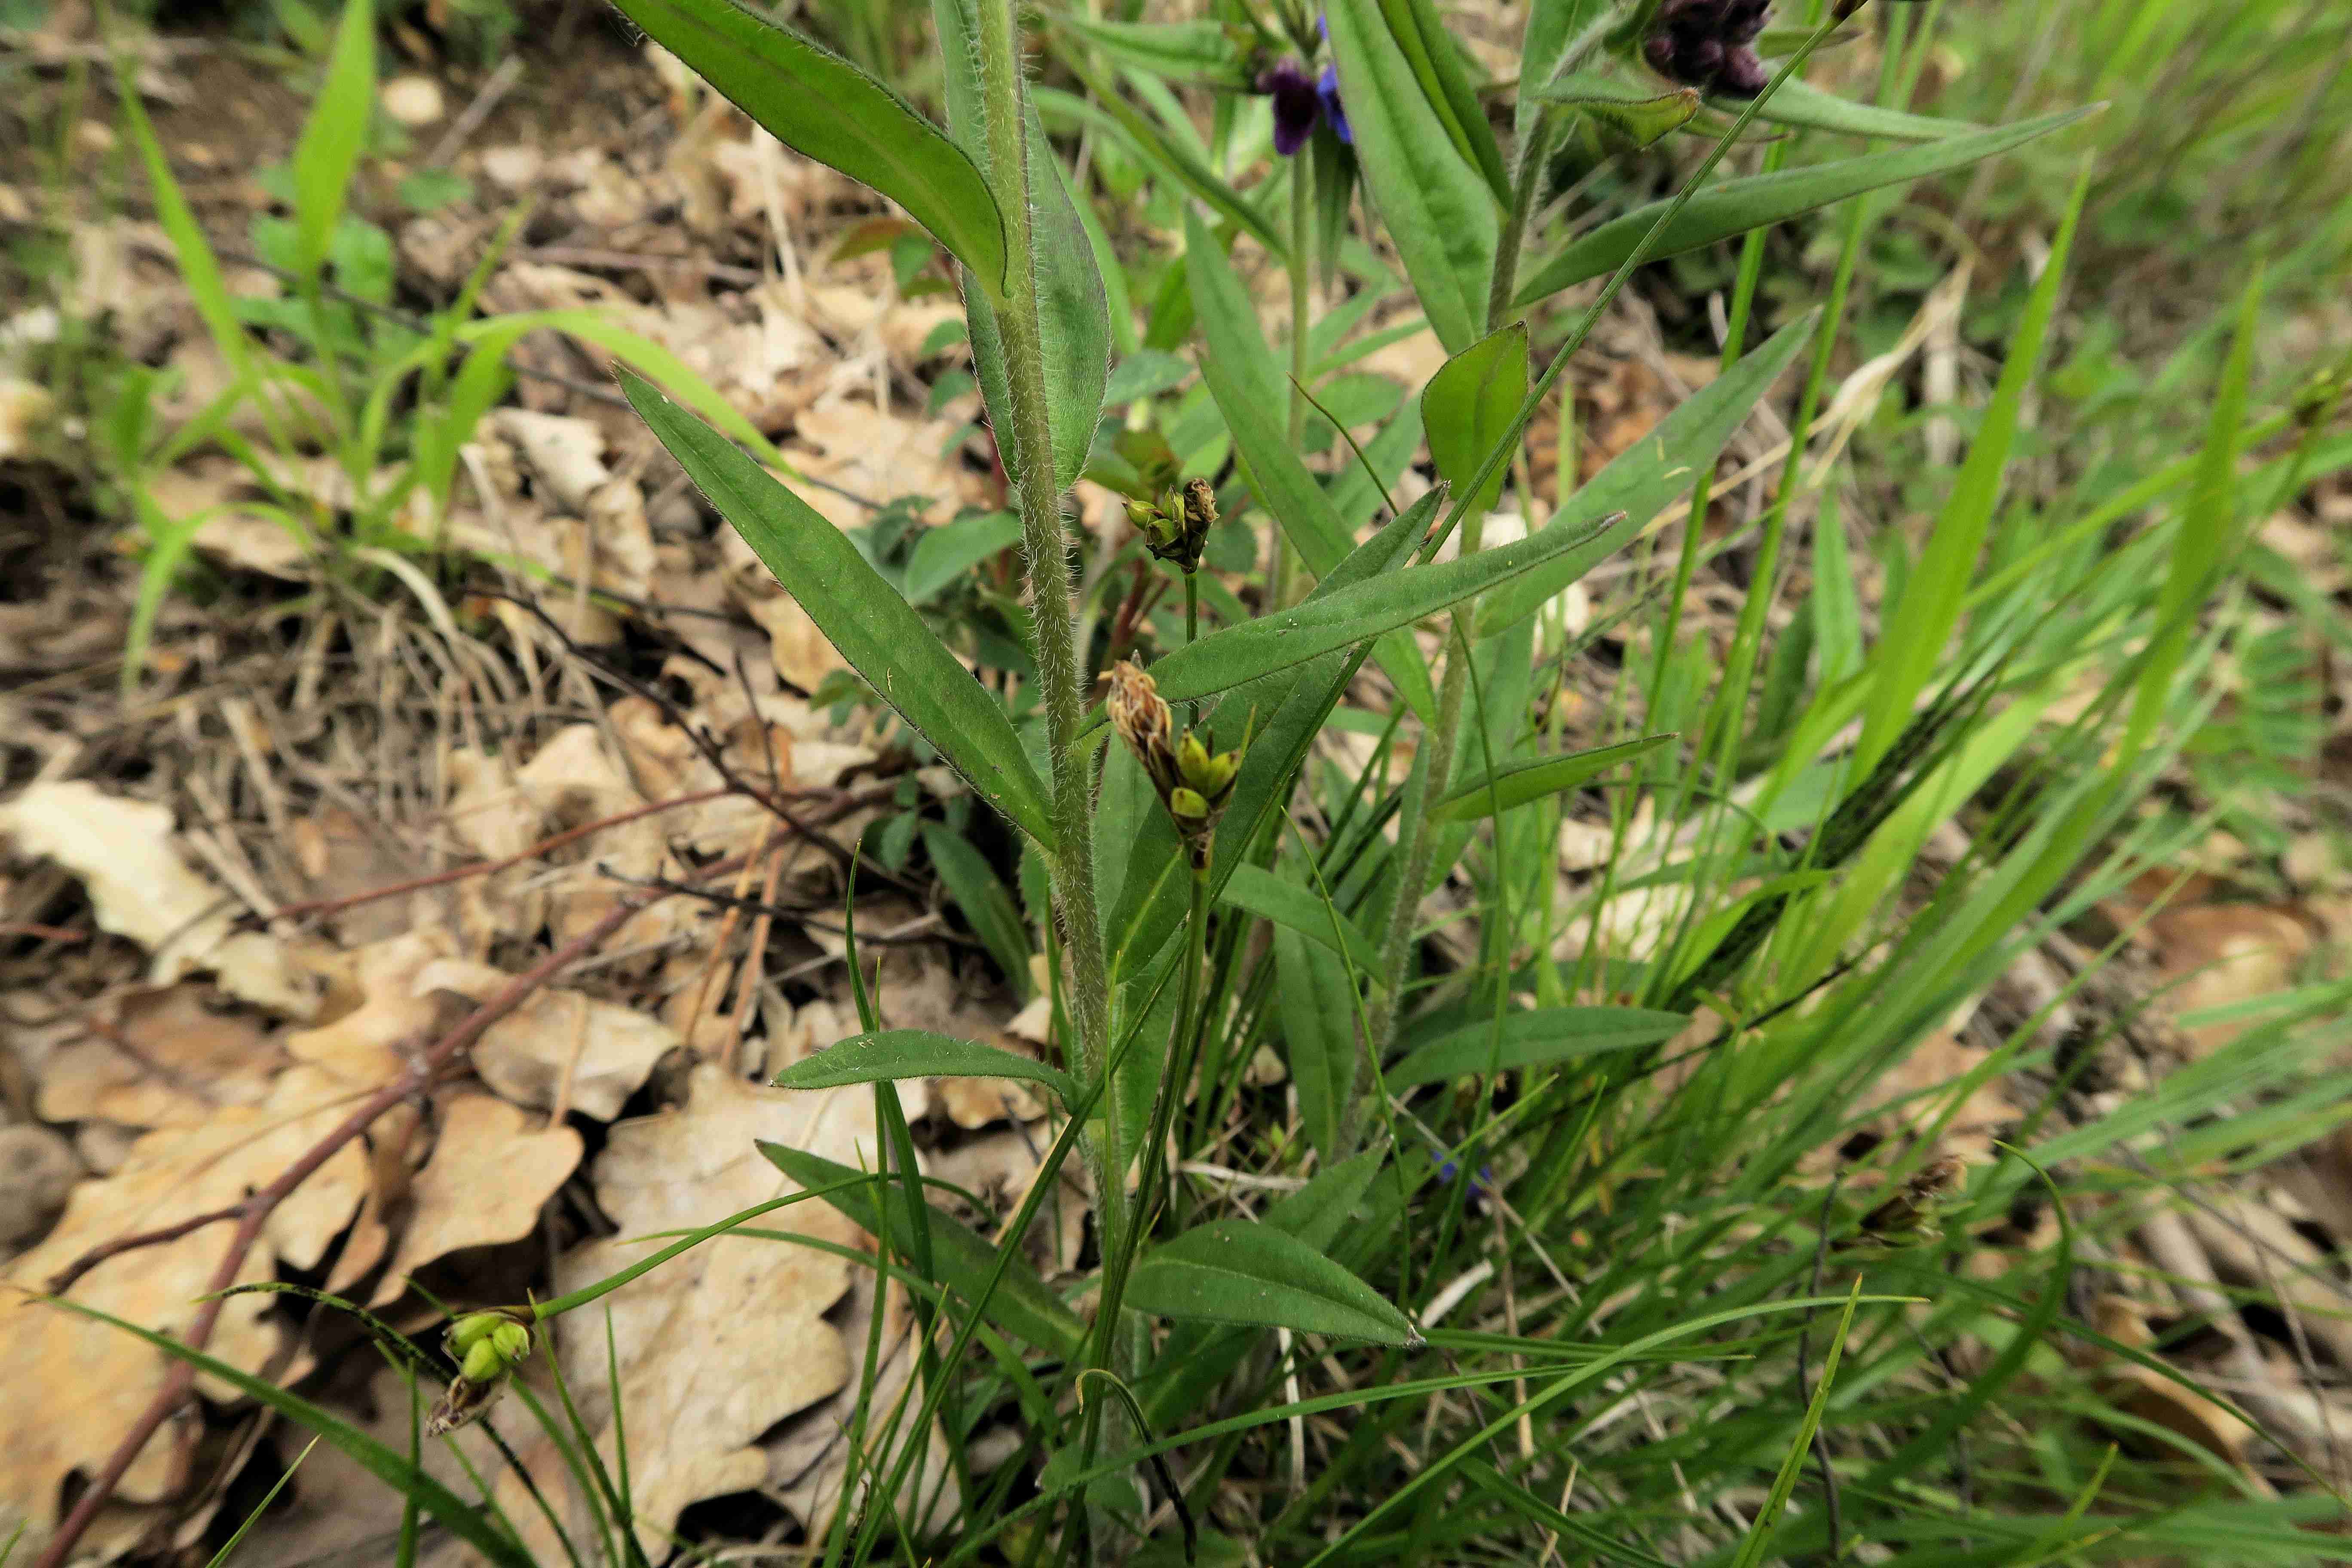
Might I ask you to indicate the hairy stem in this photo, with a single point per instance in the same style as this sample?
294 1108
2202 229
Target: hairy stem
1003 96
1302 241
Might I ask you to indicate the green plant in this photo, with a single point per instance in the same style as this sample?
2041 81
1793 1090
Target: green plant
1545 1121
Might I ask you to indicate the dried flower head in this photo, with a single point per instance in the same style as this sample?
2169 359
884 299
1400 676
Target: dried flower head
1141 716
1194 782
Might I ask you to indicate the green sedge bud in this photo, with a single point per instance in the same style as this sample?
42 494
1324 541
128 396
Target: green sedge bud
1217 775
483 1363
1192 759
1187 806
511 1341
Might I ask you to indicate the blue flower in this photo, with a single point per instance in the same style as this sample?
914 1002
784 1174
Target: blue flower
1327 88
1296 104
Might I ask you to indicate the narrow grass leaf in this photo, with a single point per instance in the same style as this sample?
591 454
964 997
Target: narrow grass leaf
893 1054
1020 1304
1469 407
985 901
1912 642
1318 1028
820 105
1798 103
1651 474
874 628
328 154
1760 1531
1545 1037
1436 206
1233 655
461 1520
1240 1272
1516 783
1756 201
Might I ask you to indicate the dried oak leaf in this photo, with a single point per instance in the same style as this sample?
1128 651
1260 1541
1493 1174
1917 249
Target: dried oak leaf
719 1345
160 1058
603 1051
490 1171
87 1381
140 889
2212 955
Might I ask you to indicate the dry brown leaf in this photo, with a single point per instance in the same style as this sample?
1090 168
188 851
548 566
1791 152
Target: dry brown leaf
567 454
2212 955
373 1042
718 1346
160 1058
90 1381
878 456
490 1171
139 887
603 1052
2151 1396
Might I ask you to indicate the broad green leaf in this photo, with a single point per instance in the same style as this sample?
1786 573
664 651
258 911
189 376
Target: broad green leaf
1232 655
1651 474
1146 372
1543 1037
1755 201
1913 634
334 137
864 617
1639 116
1516 783
462 1519
1072 315
1239 1271
984 900
1301 910
1317 1212
1020 1304
819 104
1436 206
1203 51
894 1053
1421 37
1318 1028
943 554
1801 104
1469 405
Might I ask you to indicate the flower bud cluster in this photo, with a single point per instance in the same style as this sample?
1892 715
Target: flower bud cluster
1709 44
1195 781
487 1346
1176 529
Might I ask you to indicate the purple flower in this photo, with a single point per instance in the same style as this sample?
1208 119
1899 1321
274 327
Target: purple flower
1296 104
1710 45
1327 88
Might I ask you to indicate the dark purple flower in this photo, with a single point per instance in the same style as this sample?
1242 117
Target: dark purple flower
1296 104
1327 88
1710 45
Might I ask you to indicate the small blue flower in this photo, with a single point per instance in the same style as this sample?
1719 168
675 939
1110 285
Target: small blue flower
1296 104
1327 88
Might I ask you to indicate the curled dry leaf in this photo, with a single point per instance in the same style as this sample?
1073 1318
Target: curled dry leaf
159 1058
719 1345
490 1171
602 1051
2151 1396
139 887
2215 954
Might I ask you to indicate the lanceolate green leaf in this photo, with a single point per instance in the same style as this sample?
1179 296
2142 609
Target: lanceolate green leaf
1239 1271
1651 475
1203 51
461 1519
1286 903
1539 1038
1021 1304
1318 1028
894 1053
334 137
1438 208
1469 404
819 104
1800 104
1755 201
1445 87
862 615
1072 316
1635 113
1516 783
1227 658
985 901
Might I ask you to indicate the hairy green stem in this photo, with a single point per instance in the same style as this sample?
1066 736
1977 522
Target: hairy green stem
1003 96
1302 246
1526 174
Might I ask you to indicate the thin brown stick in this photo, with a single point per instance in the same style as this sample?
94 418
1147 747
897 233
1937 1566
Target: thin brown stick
66 1278
46 933
255 1210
